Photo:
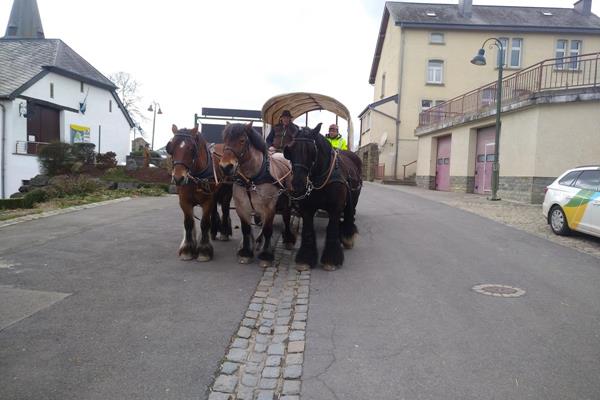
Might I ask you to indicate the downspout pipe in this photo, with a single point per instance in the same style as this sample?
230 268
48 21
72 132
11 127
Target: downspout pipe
3 166
400 73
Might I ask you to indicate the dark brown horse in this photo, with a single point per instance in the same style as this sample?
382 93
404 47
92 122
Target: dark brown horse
199 183
260 182
327 179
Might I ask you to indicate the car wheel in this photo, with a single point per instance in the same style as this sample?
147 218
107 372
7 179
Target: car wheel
558 221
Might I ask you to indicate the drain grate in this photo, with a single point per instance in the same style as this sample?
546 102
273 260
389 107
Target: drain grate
498 290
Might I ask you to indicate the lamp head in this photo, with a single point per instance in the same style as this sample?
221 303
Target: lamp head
479 59
159 110
150 108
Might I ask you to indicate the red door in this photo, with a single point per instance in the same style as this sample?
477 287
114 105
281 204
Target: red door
442 168
43 125
484 159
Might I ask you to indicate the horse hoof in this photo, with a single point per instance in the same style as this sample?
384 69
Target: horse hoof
224 238
202 258
265 263
329 267
186 257
245 260
302 267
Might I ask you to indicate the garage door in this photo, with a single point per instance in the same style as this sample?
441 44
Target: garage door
484 159
442 168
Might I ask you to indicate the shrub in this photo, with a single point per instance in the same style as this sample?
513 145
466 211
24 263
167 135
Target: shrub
11 204
62 186
106 160
56 158
33 197
84 152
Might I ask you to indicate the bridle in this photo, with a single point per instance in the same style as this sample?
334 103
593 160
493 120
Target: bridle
309 169
239 156
195 154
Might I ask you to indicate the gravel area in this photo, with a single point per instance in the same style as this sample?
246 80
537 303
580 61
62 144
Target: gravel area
526 217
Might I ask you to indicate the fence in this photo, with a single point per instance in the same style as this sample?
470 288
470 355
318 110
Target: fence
553 74
31 148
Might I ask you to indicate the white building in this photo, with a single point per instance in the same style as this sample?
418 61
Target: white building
49 93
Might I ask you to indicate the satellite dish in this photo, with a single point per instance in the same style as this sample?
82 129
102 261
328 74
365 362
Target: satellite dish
383 139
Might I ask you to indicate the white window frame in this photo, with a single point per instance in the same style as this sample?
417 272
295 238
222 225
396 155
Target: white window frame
440 35
508 46
568 51
425 108
435 73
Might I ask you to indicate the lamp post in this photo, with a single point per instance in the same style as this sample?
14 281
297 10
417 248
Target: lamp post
153 108
479 59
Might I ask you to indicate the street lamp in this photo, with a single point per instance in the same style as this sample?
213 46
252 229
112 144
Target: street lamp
479 59
153 108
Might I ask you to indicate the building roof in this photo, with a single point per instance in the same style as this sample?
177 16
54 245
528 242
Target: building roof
483 18
24 61
25 21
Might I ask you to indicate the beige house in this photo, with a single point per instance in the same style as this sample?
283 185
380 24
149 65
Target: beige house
422 59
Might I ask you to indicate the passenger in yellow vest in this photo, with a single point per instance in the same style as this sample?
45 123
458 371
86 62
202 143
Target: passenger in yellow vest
335 139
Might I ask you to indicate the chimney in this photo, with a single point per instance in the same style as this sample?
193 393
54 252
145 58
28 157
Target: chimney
583 7
465 8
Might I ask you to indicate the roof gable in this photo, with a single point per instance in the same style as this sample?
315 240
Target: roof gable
483 18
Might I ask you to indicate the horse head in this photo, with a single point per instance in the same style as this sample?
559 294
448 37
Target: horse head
237 141
282 137
184 148
302 153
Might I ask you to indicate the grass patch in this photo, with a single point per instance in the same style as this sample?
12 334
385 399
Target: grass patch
117 175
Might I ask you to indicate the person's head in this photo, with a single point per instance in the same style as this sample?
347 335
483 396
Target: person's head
286 117
333 130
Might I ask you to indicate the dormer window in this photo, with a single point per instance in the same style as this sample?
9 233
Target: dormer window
431 14
547 13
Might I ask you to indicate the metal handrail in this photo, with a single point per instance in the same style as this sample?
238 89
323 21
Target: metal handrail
551 74
404 168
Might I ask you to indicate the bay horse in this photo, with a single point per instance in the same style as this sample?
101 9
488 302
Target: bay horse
199 183
327 179
257 189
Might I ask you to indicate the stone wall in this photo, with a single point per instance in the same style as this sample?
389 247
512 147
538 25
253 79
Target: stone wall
426 182
462 184
526 189
369 154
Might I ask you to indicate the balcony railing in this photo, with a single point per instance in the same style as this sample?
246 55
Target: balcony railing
28 148
553 74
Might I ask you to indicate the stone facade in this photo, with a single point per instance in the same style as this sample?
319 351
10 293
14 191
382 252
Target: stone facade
527 189
464 184
426 182
369 154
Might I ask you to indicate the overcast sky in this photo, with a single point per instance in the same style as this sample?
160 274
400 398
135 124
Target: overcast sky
230 54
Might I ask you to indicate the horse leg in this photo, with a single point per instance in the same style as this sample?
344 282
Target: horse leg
266 255
205 249
215 221
289 239
333 256
307 255
226 231
348 229
246 253
188 248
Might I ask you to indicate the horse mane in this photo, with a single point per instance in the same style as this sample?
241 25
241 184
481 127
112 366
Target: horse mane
234 131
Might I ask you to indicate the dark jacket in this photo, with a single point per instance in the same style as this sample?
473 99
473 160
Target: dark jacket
291 129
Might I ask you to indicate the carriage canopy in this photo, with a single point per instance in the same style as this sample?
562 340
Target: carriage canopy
302 102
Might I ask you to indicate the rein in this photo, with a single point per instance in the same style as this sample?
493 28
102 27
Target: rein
189 175
309 184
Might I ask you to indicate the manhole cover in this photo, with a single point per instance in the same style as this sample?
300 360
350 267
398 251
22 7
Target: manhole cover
498 290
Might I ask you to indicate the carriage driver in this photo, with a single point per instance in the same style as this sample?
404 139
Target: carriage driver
284 127
335 138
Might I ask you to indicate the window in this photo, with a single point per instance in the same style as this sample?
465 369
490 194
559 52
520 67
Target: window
435 72
51 90
564 48
110 106
427 104
589 180
81 87
511 52
436 38
569 178
382 86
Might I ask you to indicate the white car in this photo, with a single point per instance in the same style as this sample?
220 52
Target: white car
572 202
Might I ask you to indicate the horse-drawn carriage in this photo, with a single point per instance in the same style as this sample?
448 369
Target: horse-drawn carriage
316 176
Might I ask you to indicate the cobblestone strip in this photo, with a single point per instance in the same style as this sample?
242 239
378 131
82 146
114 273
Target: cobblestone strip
46 214
265 357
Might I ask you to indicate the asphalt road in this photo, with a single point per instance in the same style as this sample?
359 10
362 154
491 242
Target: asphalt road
400 320
95 305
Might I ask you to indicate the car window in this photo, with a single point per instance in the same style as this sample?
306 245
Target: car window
589 180
569 178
